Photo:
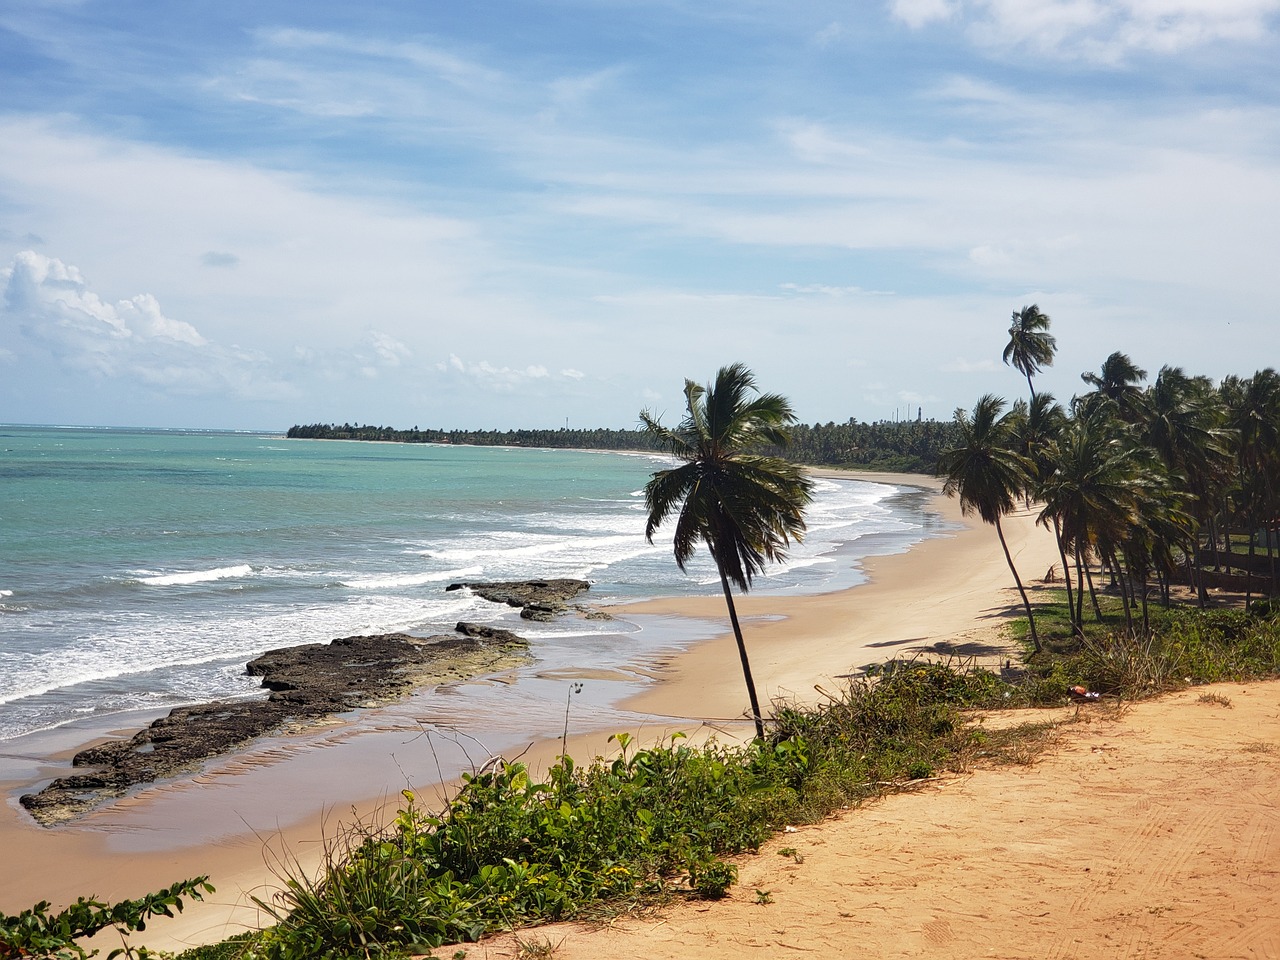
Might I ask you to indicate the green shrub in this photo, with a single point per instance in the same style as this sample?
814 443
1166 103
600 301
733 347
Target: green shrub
712 879
38 933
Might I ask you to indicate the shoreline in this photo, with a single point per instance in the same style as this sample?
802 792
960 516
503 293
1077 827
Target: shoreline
951 588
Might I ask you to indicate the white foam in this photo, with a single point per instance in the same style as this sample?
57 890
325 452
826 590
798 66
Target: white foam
148 643
197 576
410 579
6 593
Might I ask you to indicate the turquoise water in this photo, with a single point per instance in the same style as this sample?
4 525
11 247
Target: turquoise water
142 569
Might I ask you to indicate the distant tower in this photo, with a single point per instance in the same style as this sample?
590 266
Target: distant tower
919 414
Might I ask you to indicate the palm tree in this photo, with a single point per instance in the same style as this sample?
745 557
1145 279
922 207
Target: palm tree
1182 424
1030 346
987 474
746 507
1036 429
1118 381
1253 415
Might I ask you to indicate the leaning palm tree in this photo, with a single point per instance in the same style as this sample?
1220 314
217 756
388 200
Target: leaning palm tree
987 474
1030 346
745 506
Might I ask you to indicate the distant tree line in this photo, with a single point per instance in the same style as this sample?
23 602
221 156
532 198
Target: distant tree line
904 446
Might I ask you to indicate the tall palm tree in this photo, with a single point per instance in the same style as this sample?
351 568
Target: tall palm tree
746 507
987 474
1030 346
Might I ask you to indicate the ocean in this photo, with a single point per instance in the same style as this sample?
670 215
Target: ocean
141 569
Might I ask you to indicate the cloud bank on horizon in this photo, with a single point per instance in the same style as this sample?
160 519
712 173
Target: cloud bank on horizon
525 213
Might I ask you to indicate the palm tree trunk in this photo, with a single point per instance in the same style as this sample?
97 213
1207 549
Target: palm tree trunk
1093 593
1079 611
1066 574
742 654
1125 585
1193 577
1272 539
1248 577
1031 619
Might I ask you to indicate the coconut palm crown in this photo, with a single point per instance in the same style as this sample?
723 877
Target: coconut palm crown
746 507
1030 346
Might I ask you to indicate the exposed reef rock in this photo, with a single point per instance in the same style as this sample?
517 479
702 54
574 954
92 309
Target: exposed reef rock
307 684
542 600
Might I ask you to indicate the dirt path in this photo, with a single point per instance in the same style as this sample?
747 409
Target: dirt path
1152 833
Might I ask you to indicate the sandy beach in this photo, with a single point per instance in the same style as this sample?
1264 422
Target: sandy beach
280 798
949 593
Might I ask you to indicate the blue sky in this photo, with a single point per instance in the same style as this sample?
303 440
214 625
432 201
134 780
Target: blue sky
510 213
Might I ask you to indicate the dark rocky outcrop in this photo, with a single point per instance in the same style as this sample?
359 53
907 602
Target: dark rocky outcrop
307 684
542 600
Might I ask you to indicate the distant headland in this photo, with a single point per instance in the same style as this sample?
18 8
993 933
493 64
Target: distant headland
903 446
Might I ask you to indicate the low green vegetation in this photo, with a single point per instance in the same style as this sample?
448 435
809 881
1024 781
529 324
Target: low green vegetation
1185 646
39 933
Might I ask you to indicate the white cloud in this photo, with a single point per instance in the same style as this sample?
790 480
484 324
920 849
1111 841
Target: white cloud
962 365
429 58
388 349
1100 31
918 13
51 301
51 307
827 290
503 378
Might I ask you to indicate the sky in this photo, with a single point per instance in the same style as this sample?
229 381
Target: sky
538 213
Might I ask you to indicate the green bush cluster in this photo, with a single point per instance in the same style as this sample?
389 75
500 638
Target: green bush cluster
39 933
510 849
